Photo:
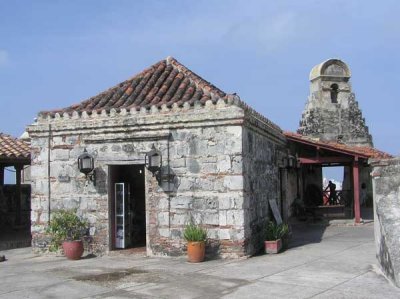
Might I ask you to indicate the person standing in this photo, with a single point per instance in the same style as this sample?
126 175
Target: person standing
332 192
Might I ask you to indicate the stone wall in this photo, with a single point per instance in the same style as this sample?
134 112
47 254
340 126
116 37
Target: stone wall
291 190
261 158
203 145
208 164
386 188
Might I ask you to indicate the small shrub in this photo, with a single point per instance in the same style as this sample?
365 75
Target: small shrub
275 231
65 225
194 233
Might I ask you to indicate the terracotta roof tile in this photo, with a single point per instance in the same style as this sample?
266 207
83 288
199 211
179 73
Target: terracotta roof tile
166 82
364 151
13 148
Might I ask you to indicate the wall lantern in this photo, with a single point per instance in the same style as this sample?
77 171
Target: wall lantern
291 162
153 161
86 166
164 174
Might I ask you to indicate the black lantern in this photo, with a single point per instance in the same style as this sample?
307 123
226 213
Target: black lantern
153 160
86 165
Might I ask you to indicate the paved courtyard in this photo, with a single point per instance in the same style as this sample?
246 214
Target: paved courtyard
322 262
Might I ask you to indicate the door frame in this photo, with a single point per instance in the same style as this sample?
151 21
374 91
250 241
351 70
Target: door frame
111 200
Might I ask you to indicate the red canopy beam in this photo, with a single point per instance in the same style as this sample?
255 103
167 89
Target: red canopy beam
321 160
356 191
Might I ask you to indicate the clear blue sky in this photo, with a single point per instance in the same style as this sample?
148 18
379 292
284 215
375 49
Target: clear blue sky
56 53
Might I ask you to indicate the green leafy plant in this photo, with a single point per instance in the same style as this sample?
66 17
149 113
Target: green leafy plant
65 225
275 231
194 233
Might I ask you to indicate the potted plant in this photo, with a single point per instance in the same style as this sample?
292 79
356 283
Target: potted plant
67 229
196 237
273 236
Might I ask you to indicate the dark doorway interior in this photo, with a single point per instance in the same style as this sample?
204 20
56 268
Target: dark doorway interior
15 216
127 206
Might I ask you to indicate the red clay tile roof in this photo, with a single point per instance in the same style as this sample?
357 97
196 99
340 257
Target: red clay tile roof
362 151
13 148
166 82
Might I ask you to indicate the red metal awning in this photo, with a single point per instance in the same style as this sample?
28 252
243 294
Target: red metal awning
313 151
340 153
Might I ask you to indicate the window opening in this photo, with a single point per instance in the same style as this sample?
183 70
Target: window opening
334 93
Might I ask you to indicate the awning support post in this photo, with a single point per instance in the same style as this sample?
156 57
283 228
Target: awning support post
356 191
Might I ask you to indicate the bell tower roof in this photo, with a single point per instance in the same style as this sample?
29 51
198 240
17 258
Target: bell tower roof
330 68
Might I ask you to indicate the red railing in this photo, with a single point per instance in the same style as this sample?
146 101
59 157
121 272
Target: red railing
337 199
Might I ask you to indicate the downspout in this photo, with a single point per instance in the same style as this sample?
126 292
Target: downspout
298 169
168 158
298 182
356 190
48 175
169 184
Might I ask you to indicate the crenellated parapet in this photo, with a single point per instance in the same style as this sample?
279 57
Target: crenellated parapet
219 111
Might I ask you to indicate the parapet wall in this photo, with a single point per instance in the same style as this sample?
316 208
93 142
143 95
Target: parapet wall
386 189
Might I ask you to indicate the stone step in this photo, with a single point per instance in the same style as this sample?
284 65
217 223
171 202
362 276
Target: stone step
13 244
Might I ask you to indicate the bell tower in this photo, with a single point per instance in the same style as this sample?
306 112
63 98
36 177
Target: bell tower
332 112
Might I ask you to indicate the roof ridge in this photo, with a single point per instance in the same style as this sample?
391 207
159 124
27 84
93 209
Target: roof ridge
202 83
194 78
116 86
167 82
117 95
260 117
8 135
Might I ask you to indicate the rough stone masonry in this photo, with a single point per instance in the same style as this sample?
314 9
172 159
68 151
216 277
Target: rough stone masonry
223 155
386 185
332 112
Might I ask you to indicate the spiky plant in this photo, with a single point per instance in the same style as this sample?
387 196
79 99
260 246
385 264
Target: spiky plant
275 231
194 233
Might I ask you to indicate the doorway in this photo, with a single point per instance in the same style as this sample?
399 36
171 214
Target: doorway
333 176
127 207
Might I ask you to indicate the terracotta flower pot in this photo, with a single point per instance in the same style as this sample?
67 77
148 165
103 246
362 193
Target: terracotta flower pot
196 251
273 246
73 250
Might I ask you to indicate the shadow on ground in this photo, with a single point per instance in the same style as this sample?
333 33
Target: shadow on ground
304 233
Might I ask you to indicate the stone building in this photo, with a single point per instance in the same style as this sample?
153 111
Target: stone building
220 164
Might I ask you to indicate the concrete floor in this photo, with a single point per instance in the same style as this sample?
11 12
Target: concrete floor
322 262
